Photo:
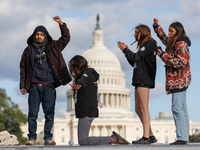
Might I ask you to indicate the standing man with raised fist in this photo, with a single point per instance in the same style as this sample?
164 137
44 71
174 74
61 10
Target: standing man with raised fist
42 69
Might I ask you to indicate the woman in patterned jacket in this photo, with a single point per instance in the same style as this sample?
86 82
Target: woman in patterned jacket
178 77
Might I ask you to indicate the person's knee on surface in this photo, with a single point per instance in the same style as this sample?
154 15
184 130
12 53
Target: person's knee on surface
82 141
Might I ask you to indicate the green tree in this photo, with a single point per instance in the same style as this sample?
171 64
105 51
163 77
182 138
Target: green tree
194 139
11 117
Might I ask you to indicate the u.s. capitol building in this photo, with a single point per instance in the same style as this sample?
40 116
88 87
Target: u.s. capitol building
114 104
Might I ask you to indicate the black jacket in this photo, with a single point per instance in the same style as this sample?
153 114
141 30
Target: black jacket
144 63
54 57
87 96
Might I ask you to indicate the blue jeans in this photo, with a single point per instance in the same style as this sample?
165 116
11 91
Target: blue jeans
46 95
180 114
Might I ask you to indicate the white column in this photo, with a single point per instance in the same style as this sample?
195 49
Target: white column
104 131
123 131
128 102
104 99
117 97
101 98
120 100
74 133
107 101
112 100
95 131
124 101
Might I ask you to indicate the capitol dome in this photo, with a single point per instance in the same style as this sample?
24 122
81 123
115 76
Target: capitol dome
99 56
112 92
102 59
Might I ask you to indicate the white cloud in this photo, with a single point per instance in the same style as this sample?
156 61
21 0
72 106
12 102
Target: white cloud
5 9
191 8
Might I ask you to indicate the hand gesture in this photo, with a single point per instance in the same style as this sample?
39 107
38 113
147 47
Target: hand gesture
122 45
23 91
75 86
155 21
159 52
57 19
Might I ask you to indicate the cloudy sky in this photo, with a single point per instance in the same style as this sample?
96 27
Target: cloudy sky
19 18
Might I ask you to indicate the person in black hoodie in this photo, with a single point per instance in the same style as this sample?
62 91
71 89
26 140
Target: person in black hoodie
178 76
85 93
144 64
42 69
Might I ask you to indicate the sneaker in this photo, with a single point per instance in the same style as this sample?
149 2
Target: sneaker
179 142
142 141
31 142
153 139
49 142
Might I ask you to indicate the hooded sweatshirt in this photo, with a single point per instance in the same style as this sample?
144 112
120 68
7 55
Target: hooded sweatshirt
177 62
41 71
54 58
86 102
144 63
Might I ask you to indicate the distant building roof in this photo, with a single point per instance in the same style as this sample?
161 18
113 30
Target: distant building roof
163 116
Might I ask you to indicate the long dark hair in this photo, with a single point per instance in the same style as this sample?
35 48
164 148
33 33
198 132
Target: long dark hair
179 32
145 34
79 62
